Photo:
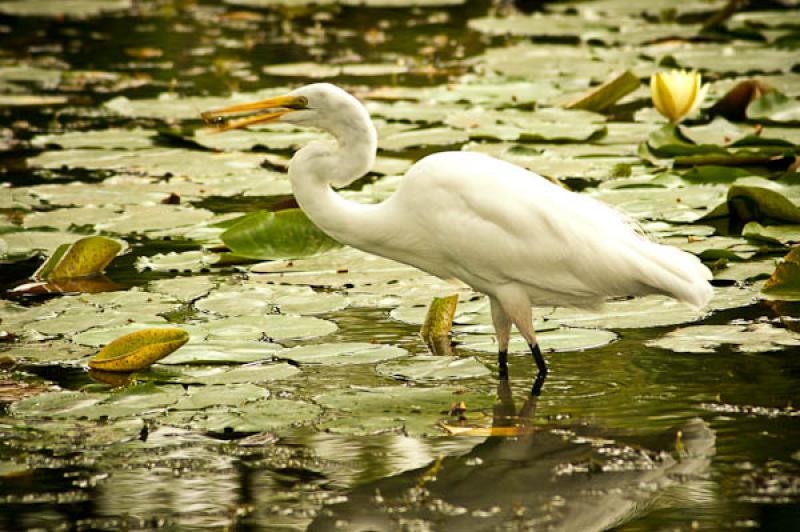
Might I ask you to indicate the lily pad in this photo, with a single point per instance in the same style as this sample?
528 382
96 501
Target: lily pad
415 411
55 404
558 340
63 8
429 368
87 256
276 235
341 354
784 284
230 395
746 338
242 374
775 234
275 327
775 107
266 415
235 352
138 350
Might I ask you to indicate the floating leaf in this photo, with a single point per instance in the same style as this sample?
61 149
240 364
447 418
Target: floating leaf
62 8
342 353
138 350
265 415
241 375
372 410
427 368
235 352
277 235
87 256
232 395
774 106
774 234
784 284
558 340
604 96
751 338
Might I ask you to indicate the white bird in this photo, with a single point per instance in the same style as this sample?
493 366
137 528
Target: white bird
501 229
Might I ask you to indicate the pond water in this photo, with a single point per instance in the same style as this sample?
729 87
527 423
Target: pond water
305 397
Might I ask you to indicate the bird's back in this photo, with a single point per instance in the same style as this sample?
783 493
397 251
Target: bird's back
491 223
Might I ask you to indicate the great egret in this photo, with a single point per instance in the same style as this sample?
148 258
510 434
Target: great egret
503 230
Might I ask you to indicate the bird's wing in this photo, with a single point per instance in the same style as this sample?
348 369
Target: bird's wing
491 223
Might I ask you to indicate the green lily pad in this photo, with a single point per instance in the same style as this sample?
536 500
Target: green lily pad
430 368
775 234
116 139
63 8
241 375
775 107
261 416
185 262
230 395
750 338
138 350
276 327
544 125
746 272
558 340
341 354
234 352
136 400
55 404
87 256
276 235
415 411
183 289
784 284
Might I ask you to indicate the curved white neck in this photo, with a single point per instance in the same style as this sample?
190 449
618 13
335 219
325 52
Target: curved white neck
317 165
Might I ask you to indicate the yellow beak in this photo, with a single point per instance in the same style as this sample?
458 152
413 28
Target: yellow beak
247 114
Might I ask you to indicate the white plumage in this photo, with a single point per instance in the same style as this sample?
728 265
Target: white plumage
503 230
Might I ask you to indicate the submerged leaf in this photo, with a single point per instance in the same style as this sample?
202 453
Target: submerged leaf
87 256
138 350
277 235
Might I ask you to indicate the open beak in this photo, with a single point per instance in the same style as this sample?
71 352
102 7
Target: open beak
247 114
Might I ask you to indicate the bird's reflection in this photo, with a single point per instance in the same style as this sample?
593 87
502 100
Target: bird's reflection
530 476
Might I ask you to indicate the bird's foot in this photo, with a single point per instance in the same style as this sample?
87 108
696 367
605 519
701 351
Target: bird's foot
502 362
536 390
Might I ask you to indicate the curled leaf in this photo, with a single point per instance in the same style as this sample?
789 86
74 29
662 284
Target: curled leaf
733 105
138 350
439 319
604 96
85 257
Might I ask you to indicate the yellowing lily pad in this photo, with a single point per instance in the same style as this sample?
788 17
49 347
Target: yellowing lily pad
138 350
87 256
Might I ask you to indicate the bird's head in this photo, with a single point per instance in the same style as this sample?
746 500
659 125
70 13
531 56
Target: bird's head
320 105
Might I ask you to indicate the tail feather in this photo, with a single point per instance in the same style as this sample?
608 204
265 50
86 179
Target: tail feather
674 272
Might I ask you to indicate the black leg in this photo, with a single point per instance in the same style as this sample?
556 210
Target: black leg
542 365
502 362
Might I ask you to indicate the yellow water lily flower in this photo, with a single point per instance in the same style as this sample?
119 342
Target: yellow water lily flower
677 93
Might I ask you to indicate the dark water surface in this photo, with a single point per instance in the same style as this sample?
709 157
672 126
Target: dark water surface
624 436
